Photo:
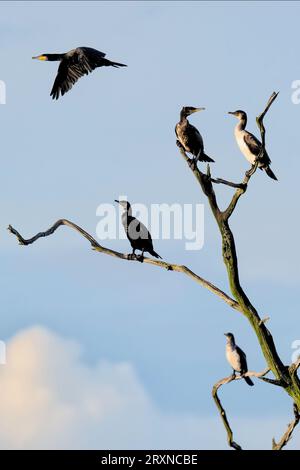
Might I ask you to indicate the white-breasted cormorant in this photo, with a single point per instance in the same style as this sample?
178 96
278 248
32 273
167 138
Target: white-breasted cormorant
236 357
73 65
137 233
249 145
189 137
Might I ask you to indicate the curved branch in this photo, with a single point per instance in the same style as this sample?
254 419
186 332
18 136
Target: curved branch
279 383
227 183
260 118
128 257
204 180
220 407
288 434
239 192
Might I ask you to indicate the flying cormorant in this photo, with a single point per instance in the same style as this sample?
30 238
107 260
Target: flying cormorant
249 145
73 65
236 357
189 137
137 234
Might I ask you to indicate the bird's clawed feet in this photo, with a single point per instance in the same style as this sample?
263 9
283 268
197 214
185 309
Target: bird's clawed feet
134 257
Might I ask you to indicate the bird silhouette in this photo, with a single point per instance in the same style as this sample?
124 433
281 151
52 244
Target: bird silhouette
138 235
73 65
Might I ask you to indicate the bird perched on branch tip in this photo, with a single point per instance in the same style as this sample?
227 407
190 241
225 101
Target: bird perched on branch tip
249 145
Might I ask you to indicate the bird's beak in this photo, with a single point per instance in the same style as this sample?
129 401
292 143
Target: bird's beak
117 201
231 112
40 57
198 109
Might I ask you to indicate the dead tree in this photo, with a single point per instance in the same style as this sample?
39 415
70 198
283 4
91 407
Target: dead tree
284 376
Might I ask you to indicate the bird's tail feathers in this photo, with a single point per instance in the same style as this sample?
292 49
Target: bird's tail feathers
156 255
206 158
114 64
270 173
249 381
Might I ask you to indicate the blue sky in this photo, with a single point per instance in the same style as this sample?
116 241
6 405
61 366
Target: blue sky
113 134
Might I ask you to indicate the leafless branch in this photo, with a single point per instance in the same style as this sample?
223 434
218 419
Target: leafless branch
288 434
260 118
204 180
227 183
220 407
239 192
128 257
279 383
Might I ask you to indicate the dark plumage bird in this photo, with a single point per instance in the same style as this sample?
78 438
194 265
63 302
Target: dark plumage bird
236 357
189 137
73 65
249 145
137 234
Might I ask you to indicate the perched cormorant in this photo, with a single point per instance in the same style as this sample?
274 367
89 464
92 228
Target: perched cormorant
189 137
249 145
137 234
236 357
73 65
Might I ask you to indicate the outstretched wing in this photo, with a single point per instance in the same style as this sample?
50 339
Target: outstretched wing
254 146
90 58
73 66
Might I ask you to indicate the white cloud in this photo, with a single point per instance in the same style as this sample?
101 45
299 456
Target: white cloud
51 399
